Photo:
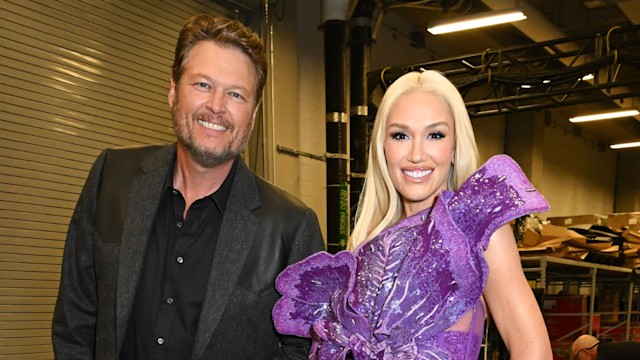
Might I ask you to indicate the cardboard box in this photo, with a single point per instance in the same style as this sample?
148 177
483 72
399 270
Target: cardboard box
549 235
632 262
620 220
568 221
531 237
632 235
555 232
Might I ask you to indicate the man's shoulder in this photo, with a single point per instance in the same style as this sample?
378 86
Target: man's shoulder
148 156
271 194
138 152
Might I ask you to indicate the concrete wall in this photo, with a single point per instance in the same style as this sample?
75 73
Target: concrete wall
628 182
297 109
570 171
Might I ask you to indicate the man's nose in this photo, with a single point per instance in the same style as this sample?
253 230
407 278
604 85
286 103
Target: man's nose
216 101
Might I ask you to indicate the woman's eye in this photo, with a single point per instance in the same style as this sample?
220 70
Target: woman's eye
436 135
399 135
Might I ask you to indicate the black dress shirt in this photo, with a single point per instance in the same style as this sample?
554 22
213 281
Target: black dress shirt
174 276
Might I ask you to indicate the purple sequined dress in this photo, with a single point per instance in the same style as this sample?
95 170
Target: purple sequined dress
412 292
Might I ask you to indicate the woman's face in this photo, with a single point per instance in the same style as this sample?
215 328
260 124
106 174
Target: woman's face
419 145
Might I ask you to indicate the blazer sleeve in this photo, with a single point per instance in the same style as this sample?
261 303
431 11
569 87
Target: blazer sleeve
308 240
74 318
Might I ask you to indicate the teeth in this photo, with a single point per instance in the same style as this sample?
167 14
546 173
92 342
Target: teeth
417 173
211 126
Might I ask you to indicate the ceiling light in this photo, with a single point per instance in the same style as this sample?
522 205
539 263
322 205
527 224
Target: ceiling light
625 145
607 115
475 21
587 77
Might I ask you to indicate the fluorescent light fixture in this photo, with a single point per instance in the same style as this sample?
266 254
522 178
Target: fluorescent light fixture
587 77
468 64
603 116
475 21
625 145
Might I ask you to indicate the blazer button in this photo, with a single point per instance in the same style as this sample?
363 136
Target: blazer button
160 341
180 260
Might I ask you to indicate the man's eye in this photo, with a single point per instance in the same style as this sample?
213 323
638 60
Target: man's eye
399 135
202 85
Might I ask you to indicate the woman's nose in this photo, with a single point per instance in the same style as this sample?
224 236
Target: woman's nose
417 153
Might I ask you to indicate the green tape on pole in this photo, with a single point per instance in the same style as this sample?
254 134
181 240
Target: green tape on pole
343 234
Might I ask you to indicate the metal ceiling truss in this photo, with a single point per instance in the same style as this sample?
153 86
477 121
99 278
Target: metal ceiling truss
539 76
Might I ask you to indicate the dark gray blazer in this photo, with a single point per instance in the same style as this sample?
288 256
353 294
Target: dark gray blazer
264 229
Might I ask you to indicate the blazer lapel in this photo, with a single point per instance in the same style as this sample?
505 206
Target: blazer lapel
237 232
144 197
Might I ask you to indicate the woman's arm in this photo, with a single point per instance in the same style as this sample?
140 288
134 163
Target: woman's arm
511 302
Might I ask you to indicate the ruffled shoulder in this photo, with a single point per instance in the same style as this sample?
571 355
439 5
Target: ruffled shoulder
412 281
309 286
495 194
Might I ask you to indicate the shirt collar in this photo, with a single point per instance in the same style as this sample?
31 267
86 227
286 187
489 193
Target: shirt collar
219 196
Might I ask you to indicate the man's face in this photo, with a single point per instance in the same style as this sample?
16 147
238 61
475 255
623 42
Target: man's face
214 104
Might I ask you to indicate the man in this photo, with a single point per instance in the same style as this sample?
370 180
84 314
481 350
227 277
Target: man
587 347
173 250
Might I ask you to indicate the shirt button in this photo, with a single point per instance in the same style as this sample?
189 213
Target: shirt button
160 341
179 224
180 260
170 300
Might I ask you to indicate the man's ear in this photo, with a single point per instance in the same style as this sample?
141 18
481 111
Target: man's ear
255 111
253 116
172 94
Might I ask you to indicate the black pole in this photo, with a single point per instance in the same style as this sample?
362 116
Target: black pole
335 35
360 44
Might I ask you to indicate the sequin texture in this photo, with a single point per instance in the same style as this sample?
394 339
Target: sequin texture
412 292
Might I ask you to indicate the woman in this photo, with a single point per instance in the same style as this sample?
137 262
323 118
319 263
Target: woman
432 245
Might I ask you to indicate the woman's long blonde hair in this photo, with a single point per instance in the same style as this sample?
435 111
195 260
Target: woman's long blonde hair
380 204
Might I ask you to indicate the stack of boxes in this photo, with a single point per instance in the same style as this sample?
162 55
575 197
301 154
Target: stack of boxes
629 226
609 240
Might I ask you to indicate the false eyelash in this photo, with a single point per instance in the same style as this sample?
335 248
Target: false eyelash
397 134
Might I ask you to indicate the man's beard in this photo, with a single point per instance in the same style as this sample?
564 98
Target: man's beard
199 154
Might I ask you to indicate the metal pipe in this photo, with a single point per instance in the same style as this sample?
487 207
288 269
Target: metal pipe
592 298
360 42
629 305
335 34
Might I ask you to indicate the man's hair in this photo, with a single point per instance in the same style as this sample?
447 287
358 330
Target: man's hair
224 32
380 204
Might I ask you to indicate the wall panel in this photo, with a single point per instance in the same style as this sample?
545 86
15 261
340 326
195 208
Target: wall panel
76 77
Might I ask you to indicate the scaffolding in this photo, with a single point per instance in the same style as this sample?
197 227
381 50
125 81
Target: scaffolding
579 277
